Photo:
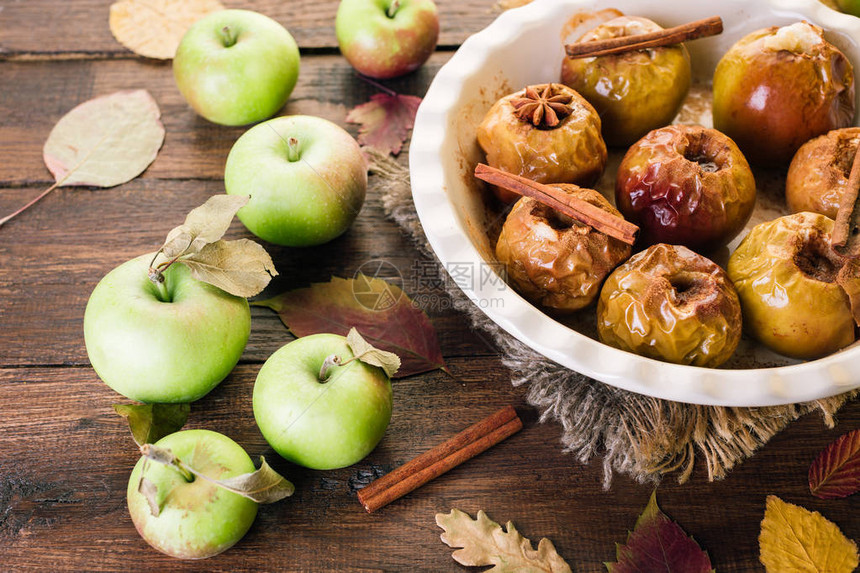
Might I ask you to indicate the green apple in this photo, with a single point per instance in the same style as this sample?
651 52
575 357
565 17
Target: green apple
163 345
196 519
236 67
321 424
386 38
849 6
306 177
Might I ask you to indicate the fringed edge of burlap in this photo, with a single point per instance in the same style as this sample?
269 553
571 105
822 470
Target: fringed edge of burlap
643 437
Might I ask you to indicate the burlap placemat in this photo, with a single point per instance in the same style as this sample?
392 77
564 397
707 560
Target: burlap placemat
646 438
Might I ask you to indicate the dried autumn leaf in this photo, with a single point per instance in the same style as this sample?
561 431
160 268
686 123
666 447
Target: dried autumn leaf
153 28
381 311
659 544
836 471
105 141
151 422
795 539
263 486
363 351
241 268
150 492
385 120
484 542
203 225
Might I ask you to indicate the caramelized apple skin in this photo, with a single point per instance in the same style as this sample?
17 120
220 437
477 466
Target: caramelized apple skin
554 261
819 172
671 304
771 101
788 279
686 185
634 92
572 152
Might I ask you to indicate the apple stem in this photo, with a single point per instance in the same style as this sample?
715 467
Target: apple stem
228 36
330 362
293 149
165 457
393 8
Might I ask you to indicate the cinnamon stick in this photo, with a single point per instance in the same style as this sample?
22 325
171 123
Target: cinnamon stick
846 232
433 463
666 37
553 197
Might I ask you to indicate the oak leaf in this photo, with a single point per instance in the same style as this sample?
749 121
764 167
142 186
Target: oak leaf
380 310
836 471
484 542
659 544
385 120
795 539
153 28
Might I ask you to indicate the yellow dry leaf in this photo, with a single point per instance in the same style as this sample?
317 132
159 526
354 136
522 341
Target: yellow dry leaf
795 539
504 5
153 28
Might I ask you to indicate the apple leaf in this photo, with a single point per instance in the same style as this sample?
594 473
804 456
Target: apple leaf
795 539
659 544
385 120
151 422
242 267
150 492
203 225
153 28
380 310
484 542
105 141
263 486
836 471
362 350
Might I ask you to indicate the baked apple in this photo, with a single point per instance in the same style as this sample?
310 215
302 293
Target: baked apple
633 92
553 260
777 88
799 296
686 185
547 133
672 304
819 172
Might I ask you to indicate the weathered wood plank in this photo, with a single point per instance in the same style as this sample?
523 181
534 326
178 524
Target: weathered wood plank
37 94
66 458
56 28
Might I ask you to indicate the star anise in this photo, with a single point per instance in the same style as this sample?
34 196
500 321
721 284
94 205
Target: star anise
543 105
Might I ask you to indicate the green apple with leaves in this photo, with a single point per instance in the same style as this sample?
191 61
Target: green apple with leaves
188 516
387 38
236 67
306 177
168 327
318 405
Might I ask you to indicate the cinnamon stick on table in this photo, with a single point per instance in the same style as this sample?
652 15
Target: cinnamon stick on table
433 463
846 232
698 29
553 197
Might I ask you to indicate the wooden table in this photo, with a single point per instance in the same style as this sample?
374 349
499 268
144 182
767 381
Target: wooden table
65 456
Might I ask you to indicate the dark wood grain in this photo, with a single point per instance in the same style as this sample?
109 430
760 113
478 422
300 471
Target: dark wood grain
57 28
65 456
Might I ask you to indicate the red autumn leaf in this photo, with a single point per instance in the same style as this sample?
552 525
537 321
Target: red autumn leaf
385 120
659 544
836 471
379 310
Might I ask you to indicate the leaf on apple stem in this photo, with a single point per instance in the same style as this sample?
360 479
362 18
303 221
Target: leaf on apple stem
835 472
263 486
384 122
380 310
658 543
795 539
484 542
362 350
151 422
153 28
150 492
103 142
241 267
